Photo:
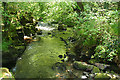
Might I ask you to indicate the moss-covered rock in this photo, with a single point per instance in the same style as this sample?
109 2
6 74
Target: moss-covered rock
82 65
39 57
95 70
99 65
102 76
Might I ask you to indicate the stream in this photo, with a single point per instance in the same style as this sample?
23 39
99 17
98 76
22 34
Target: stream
42 57
48 58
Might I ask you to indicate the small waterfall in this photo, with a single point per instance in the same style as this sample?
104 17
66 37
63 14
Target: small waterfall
45 28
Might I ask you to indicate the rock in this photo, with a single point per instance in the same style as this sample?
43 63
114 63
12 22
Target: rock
101 66
4 73
91 75
95 70
82 66
83 77
86 74
114 76
89 68
101 76
72 74
77 73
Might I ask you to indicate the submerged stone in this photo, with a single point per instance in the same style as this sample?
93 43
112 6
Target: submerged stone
82 66
39 57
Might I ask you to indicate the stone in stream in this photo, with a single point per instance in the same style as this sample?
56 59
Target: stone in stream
102 66
91 75
95 70
101 76
83 77
39 57
99 65
82 66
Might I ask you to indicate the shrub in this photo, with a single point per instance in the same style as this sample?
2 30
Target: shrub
96 30
60 12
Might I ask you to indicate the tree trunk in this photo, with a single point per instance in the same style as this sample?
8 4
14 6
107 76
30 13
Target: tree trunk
118 35
80 6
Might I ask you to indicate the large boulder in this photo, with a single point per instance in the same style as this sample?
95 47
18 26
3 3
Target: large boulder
82 66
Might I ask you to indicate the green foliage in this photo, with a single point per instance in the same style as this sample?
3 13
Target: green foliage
16 15
5 45
60 12
107 52
95 27
22 12
99 28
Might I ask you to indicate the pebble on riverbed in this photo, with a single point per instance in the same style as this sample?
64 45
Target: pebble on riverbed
83 77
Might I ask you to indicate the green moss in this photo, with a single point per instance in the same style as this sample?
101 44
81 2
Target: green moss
101 76
20 47
64 34
80 65
39 57
95 70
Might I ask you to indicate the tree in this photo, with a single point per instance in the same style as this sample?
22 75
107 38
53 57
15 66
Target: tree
5 19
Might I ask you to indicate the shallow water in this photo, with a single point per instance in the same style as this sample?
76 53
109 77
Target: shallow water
39 58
